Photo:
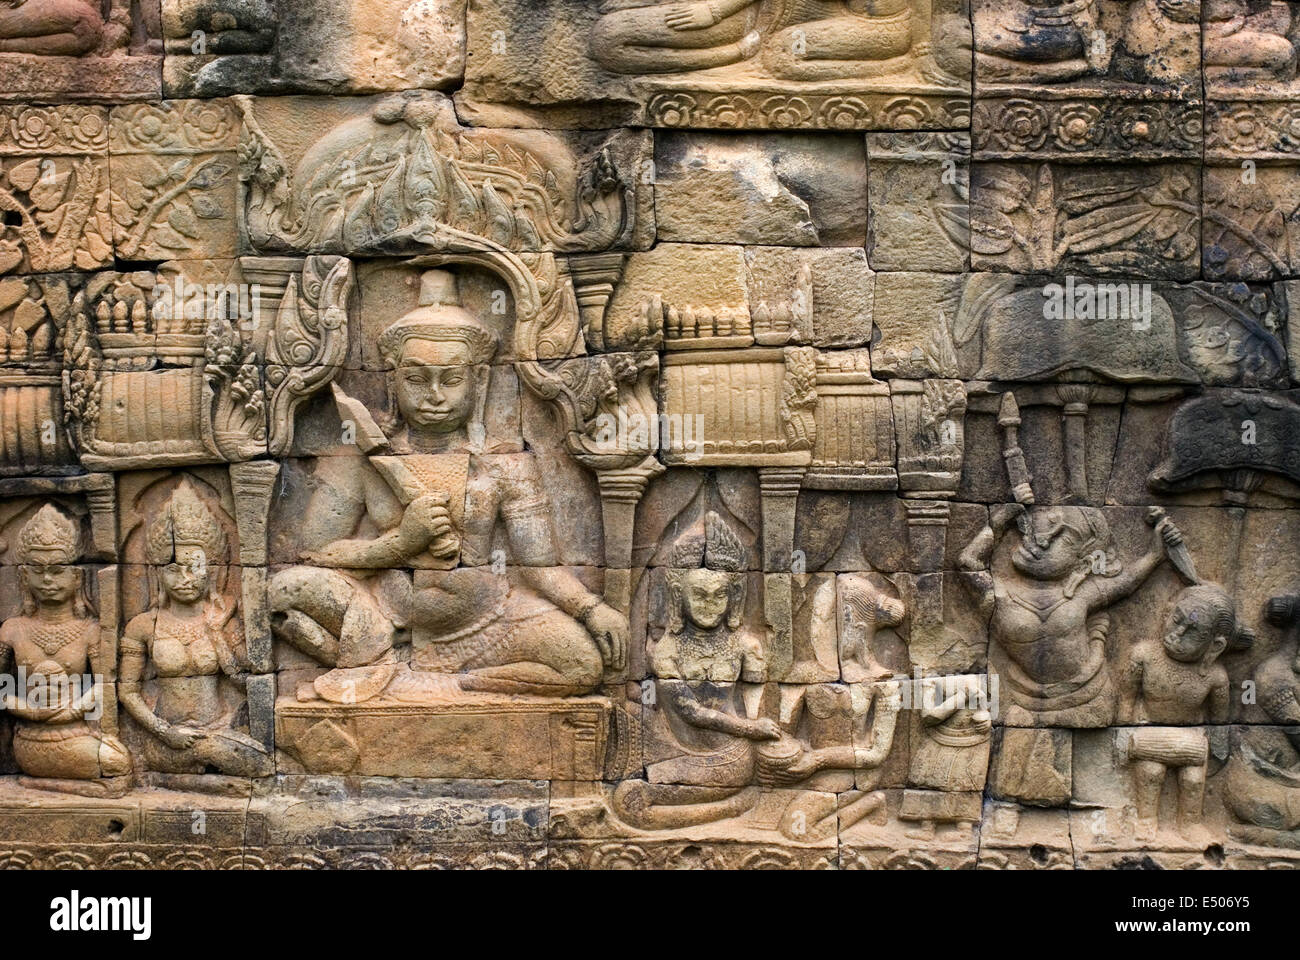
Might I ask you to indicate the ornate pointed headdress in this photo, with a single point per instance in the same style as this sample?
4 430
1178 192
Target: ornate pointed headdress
722 549
185 522
49 530
441 318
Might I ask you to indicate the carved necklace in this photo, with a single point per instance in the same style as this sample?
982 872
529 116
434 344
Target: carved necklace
186 630
53 637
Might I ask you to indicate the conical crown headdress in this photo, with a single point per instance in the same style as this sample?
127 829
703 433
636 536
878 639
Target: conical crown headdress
185 522
49 529
440 317
722 549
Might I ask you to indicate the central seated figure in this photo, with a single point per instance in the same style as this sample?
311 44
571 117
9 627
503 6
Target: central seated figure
509 622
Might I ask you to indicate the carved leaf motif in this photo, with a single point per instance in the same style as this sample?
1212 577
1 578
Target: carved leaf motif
164 236
133 194
183 221
49 189
206 207
11 255
209 175
991 233
24 175
51 220
1107 227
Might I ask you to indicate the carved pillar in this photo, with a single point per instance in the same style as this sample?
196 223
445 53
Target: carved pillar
101 496
929 417
621 490
779 488
252 483
594 277
927 536
1075 398
104 664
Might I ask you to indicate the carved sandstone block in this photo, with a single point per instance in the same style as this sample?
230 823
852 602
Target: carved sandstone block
784 189
270 47
312 165
918 192
1248 226
55 189
740 64
175 180
1108 220
78 51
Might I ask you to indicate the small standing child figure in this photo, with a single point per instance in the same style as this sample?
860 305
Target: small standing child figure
1177 680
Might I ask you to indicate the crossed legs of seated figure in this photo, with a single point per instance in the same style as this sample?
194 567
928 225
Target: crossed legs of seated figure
232 753
672 38
518 644
72 758
1032 41
1247 54
228 26
843 46
674 806
51 28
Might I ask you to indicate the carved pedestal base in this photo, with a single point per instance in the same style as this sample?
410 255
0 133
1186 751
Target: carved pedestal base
494 737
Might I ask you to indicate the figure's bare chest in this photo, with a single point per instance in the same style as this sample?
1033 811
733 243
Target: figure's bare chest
1029 616
66 643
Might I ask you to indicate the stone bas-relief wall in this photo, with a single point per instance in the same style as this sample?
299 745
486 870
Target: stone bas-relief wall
742 433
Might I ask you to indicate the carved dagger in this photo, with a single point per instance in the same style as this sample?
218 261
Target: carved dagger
1178 553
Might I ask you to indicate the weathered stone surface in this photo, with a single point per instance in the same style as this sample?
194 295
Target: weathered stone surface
1032 218
784 189
264 47
918 192
638 434
175 173
51 52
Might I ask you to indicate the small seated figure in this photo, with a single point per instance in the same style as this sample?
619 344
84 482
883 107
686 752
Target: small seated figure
945 781
50 28
1177 680
1038 41
702 654
439 503
832 747
838 39
188 641
676 37
1244 46
51 641
218 26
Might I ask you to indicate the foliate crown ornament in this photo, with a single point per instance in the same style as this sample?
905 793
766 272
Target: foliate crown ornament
49 531
186 522
307 343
